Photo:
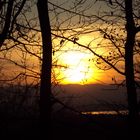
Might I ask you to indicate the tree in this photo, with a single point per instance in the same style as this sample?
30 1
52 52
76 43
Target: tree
108 24
117 24
129 61
7 22
45 85
20 31
129 43
8 19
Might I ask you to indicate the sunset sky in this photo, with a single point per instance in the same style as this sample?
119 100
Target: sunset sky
76 64
81 63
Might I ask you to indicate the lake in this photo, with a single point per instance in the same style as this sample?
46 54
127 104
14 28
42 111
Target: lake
121 112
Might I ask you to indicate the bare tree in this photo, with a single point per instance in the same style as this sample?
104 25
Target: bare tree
108 24
117 23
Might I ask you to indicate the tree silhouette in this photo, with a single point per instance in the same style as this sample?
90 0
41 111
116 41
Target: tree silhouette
127 54
8 19
129 62
45 85
8 16
118 26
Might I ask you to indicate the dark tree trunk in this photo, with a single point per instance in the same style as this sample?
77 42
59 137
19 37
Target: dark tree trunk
45 87
129 65
129 69
6 27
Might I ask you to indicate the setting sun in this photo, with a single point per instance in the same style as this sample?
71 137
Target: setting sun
79 69
76 74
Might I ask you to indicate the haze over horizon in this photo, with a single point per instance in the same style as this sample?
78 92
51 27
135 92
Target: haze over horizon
92 97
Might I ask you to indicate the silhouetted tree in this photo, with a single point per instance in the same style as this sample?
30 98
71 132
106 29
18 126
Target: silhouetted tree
117 24
8 17
45 85
129 62
126 53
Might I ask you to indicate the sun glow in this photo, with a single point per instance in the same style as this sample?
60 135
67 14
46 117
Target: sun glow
79 64
79 69
76 74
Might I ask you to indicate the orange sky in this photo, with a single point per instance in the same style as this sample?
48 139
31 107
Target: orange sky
80 64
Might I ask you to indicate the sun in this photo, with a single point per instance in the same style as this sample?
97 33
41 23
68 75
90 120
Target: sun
78 68
76 74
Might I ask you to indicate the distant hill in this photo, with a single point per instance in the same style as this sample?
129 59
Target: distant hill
92 96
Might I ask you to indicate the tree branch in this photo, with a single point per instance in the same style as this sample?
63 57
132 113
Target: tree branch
96 54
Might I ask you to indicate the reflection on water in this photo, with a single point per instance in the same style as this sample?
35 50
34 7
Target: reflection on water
120 112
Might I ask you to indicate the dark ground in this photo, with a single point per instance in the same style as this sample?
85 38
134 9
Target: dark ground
69 127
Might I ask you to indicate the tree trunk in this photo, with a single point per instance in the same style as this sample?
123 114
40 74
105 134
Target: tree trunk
129 65
130 82
6 27
45 87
